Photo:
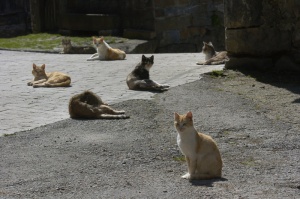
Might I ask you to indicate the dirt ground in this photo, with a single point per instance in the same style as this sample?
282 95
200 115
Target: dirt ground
253 116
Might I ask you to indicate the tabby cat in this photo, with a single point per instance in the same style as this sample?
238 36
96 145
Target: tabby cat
68 48
105 52
201 152
53 79
87 105
212 57
139 78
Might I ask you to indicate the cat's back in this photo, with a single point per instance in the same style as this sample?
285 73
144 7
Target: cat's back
57 74
222 54
207 144
138 73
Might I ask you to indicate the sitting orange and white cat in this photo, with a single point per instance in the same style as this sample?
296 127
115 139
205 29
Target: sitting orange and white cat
105 52
201 151
53 79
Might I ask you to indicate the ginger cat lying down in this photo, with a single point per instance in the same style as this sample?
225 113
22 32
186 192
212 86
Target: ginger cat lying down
201 151
88 105
105 52
53 79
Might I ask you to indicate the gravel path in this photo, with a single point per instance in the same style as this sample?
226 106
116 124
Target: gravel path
139 157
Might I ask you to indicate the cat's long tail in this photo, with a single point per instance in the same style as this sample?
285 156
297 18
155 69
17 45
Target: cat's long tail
108 116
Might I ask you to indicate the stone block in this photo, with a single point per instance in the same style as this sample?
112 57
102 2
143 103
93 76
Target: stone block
171 36
177 48
171 23
296 36
257 41
183 2
159 13
246 13
163 3
192 31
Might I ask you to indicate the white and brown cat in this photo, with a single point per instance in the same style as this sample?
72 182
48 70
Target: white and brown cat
87 105
52 79
201 152
212 57
105 52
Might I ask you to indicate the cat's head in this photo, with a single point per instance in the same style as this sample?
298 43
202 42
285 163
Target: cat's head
65 42
147 62
98 41
183 122
38 70
207 48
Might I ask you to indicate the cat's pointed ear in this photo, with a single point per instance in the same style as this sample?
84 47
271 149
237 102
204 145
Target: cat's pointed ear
101 38
94 38
152 57
143 57
43 66
210 43
189 115
34 66
176 116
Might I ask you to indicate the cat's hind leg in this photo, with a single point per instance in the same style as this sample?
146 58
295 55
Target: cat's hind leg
161 85
109 110
147 84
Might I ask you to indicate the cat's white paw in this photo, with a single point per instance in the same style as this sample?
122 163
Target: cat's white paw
186 176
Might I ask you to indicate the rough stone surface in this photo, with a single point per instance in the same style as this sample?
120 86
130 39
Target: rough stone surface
263 29
257 41
248 15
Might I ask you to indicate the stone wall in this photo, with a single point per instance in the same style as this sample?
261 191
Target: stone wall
14 17
172 25
263 34
183 25
177 25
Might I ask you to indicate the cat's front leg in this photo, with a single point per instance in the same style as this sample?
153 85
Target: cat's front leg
192 165
30 83
93 57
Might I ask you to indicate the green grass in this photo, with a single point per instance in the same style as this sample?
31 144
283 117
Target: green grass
46 41
217 73
179 158
7 134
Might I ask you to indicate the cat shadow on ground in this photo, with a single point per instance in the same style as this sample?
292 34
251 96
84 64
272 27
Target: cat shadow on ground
207 183
151 91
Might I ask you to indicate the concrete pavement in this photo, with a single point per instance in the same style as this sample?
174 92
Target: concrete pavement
23 107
